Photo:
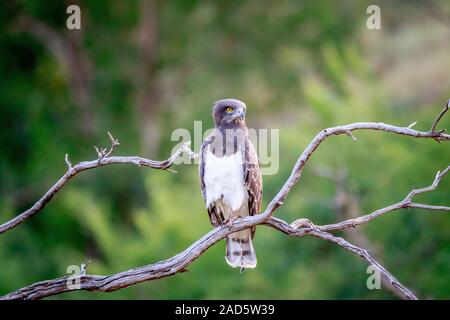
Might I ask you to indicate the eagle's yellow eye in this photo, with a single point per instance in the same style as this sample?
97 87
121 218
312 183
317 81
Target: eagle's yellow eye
229 109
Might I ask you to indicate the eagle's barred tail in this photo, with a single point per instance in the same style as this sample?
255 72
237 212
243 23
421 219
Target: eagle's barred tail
240 251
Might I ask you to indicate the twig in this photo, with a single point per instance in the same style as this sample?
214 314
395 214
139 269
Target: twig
69 164
114 144
438 118
412 125
84 266
104 152
350 134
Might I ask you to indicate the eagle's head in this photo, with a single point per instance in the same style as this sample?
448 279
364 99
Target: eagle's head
228 113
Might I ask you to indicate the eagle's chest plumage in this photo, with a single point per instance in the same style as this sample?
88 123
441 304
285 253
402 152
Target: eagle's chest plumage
224 179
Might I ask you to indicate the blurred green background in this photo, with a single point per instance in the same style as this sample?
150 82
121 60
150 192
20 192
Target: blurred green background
141 69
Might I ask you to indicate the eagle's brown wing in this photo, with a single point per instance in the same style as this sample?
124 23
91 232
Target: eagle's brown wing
215 216
252 180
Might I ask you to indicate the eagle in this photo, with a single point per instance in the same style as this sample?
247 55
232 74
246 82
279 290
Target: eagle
230 178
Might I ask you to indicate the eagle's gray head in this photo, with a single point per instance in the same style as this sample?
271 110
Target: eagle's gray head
229 113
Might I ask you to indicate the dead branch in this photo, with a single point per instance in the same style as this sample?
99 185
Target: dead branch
311 229
181 261
363 253
104 158
346 206
405 203
439 117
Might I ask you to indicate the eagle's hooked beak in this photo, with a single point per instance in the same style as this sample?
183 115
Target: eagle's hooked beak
239 116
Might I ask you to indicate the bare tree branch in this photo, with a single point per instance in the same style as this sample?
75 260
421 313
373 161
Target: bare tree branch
405 203
346 206
322 135
181 261
363 253
439 117
104 158
312 230
165 268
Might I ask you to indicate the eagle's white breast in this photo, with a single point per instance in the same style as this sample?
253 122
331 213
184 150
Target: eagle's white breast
224 176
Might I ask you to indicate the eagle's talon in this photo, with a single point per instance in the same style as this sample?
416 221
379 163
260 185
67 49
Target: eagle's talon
229 221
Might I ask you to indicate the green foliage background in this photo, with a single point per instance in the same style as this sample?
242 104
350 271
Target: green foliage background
300 66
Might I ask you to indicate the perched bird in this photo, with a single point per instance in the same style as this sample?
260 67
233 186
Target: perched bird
230 178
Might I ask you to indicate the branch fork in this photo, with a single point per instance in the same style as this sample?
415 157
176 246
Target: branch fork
103 153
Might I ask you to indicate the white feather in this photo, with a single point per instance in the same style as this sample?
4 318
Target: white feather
224 176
